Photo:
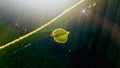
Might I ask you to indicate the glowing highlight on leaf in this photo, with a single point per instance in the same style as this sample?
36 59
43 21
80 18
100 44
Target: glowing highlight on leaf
60 35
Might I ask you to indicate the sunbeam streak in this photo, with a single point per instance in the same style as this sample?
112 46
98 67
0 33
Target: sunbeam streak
45 29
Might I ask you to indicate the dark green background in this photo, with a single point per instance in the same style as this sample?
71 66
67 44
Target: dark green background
91 45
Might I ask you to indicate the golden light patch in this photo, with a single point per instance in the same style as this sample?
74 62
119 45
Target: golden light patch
60 35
